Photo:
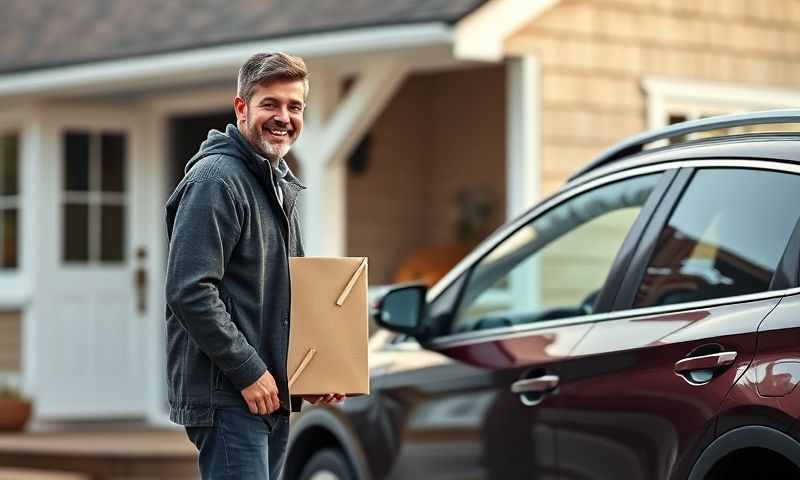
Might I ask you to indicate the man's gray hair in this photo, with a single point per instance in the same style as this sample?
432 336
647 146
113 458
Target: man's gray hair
264 68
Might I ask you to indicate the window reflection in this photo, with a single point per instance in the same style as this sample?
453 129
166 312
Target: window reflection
555 266
725 237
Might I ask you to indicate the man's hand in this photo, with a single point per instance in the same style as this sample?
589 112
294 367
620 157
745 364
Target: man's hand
262 396
326 399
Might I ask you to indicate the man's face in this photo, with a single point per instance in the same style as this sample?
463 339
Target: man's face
273 118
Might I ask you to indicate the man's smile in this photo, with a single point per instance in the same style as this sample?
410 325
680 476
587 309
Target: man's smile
278 132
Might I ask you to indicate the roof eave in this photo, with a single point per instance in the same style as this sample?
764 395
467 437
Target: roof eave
221 60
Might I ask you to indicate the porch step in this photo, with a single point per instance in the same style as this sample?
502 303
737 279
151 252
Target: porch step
153 454
35 474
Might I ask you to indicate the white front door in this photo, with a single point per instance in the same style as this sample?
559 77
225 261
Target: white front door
90 315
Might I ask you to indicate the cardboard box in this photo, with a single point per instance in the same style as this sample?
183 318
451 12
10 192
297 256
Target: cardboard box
329 326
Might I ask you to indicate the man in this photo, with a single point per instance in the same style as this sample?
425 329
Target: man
232 224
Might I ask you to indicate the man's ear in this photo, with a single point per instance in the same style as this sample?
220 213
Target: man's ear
240 107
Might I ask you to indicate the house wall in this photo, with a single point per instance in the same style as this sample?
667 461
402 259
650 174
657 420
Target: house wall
595 53
10 341
441 133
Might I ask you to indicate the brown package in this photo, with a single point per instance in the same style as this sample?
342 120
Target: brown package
329 326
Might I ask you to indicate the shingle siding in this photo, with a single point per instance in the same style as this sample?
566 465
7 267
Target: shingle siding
595 53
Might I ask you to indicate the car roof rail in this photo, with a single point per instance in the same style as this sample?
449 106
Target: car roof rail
636 143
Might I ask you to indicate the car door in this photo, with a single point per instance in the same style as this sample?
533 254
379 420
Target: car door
639 397
509 320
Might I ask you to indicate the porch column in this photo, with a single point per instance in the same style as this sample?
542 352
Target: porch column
523 139
522 165
333 129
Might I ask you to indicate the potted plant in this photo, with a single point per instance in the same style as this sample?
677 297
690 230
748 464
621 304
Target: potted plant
15 409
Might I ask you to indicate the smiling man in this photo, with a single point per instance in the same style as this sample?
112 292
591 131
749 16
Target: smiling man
232 226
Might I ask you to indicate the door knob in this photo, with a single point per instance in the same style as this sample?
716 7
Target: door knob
532 390
140 280
701 368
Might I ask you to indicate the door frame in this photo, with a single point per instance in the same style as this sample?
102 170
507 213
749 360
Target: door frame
55 120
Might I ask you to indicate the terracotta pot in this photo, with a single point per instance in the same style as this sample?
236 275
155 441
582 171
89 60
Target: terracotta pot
14 414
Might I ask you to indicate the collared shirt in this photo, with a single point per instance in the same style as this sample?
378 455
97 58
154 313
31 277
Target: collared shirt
279 174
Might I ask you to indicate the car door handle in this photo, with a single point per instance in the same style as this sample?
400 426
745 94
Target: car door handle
543 384
705 362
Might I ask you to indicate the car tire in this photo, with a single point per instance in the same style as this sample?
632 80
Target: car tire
328 464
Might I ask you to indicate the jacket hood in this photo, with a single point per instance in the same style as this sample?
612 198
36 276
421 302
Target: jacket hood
232 143
228 143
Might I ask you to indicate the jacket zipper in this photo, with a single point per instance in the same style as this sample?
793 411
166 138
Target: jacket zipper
273 186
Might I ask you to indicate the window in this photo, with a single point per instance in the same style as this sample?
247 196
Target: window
725 237
555 266
672 101
94 197
9 201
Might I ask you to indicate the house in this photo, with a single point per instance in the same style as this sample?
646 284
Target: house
413 103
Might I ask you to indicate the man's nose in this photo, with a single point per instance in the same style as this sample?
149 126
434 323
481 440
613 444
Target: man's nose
282 115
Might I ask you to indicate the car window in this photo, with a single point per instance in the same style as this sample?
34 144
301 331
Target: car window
725 237
554 266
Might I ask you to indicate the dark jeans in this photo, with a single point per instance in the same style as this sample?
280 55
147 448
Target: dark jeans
241 445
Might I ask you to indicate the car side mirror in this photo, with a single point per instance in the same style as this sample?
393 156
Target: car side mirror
401 309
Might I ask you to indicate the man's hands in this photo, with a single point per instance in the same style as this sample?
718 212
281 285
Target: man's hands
262 396
324 399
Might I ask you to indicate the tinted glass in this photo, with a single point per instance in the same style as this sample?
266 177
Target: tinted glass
76 232
555 266
76 161
9 256
725 237
112 151
402 308
112 232
9 165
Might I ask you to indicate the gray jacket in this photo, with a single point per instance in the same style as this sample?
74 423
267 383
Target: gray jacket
227 285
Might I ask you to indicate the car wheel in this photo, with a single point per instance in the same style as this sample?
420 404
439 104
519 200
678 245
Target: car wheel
328 464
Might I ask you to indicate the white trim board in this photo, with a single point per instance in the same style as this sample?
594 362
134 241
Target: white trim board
523 136
481 34
665 94
216 62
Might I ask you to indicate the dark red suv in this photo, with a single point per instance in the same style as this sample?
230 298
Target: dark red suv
641 323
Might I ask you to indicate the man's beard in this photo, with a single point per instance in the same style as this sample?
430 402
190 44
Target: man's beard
270 151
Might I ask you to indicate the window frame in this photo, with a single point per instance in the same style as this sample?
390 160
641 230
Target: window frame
439 332
94 198
440 297
667 96
633 278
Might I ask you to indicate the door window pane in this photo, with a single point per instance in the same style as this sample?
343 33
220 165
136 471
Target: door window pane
725 237
94 211
76 161
9 226
9 165
76 232
112 222
555 266
112 155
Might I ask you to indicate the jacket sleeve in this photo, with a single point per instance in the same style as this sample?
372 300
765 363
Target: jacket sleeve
205 230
